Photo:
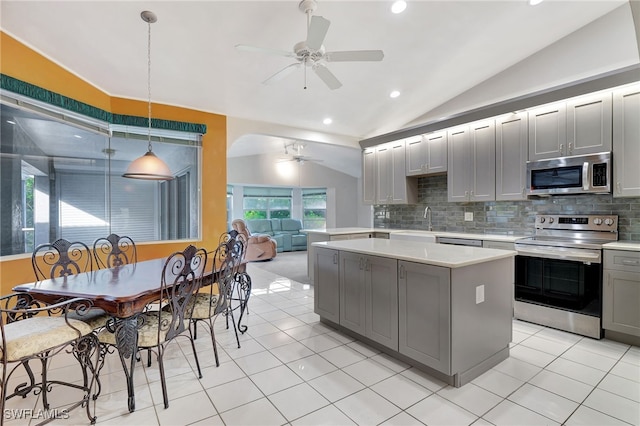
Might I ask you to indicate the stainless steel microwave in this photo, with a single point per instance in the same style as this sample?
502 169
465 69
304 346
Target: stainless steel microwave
580 174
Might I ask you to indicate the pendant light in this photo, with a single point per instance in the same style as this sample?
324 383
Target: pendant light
148 166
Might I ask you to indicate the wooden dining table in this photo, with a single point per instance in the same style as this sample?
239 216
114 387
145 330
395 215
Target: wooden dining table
123 293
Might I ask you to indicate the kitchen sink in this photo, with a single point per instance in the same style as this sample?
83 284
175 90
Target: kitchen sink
421 236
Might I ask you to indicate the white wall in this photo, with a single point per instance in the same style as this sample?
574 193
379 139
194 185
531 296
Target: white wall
607 44
343 197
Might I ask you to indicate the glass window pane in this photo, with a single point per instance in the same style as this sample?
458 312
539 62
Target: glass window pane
66 182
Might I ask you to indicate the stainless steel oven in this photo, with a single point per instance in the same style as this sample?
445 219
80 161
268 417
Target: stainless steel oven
558 280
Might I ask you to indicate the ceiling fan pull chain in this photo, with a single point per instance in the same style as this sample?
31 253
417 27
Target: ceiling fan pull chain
305 73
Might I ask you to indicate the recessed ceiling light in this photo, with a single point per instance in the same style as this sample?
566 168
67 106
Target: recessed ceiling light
534 2
398 6
77 136
327 121
394 94
11 122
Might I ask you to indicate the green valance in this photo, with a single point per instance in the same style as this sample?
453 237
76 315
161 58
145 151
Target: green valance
43 95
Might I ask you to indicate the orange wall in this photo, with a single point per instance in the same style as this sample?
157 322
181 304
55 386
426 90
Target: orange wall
19 61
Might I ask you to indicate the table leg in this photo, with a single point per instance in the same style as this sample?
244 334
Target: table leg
126 334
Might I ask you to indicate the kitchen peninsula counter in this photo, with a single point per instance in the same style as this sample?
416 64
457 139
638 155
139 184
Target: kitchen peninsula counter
442 308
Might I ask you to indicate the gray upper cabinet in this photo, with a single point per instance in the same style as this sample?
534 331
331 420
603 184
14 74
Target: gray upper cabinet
471 162
391 185
626 142
369 176
426 154
511 157
589 124
326 292
547 131
576 127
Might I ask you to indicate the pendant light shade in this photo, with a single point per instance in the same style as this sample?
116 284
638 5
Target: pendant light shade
149 166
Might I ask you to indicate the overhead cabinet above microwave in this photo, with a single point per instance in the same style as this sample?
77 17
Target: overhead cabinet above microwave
578 126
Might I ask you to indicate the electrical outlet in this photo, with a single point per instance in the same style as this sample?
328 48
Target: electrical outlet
468 216
479 294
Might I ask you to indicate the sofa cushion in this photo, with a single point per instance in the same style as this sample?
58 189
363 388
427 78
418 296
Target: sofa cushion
260 226
276 226
299 241
291 225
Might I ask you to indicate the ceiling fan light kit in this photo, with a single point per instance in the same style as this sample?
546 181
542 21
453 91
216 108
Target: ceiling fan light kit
311 52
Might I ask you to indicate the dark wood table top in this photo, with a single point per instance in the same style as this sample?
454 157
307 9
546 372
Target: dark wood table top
121 292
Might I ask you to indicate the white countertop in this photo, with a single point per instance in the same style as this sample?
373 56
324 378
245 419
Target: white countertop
356 230
448 256
623 245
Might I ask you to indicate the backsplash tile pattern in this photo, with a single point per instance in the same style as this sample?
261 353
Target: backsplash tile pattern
501 217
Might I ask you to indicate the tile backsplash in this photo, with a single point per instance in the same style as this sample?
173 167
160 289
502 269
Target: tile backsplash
501 217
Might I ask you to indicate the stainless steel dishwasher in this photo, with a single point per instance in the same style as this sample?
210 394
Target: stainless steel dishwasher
459 241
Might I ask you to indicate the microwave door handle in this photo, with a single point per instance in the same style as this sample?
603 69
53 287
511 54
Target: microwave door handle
585 176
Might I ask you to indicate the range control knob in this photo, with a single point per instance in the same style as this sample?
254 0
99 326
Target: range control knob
608 221
542 219
597 221
550 220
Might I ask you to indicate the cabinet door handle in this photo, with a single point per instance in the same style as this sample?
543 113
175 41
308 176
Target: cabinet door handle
360 264
335 258
630 262
570 147
402 272
367 267
561 148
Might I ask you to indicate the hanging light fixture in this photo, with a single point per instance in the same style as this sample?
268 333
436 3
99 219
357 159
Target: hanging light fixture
148 166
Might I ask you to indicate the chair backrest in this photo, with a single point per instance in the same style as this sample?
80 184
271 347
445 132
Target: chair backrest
181 278
227 259
114 251
61 259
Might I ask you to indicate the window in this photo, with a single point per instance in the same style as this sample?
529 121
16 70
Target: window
314 208
267 203
61 177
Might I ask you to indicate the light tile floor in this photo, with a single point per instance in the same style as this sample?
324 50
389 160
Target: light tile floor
293 370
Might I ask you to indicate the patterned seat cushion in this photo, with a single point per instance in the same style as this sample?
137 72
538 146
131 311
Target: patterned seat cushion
28 337
148 333
201 304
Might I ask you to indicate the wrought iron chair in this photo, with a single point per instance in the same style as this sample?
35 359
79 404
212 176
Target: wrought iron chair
32 330
181 278
63 259
207 305
113 251
240 290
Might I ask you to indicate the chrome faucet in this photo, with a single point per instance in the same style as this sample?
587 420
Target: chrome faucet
427 215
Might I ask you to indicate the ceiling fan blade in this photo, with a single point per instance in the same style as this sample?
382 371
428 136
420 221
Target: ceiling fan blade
248 48
317 32
327 76
354 55
282 73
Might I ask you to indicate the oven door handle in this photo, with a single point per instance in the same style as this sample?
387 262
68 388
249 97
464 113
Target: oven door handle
550 253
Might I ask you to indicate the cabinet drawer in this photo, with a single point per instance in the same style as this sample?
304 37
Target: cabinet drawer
622 260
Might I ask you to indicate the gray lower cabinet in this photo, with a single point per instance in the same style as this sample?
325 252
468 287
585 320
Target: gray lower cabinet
621 292
326 302
369 297
424 314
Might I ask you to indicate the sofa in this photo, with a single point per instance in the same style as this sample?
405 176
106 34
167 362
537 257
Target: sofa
286 232
259 247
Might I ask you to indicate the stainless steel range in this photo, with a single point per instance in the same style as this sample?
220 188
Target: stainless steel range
558 280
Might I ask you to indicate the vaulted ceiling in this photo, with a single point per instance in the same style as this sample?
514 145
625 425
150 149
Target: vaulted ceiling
434 52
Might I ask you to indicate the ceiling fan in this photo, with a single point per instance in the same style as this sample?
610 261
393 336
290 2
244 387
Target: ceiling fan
296 154
311 52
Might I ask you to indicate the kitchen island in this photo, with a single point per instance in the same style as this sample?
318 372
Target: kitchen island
444 309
